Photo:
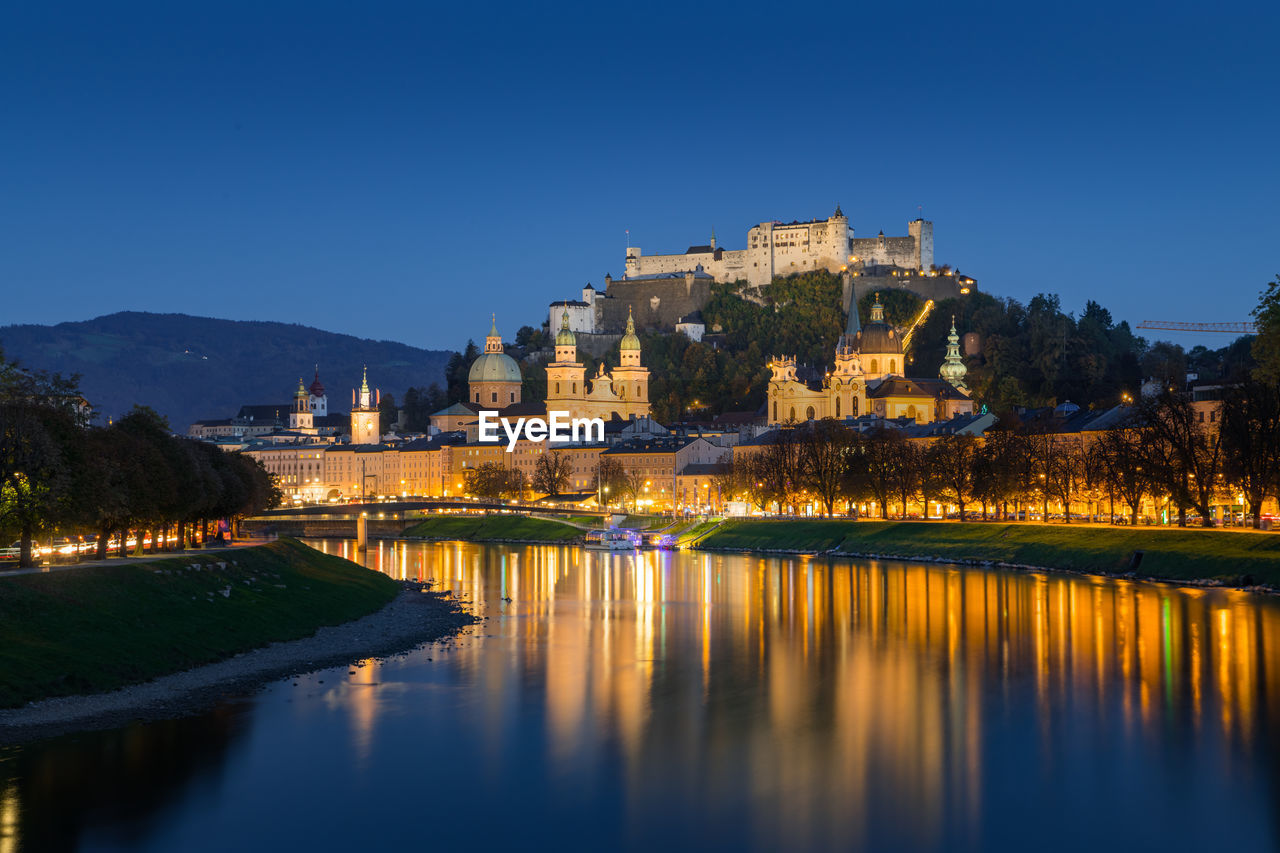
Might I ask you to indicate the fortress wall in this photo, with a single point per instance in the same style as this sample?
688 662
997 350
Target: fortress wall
597 345
936 288
891 251
654 304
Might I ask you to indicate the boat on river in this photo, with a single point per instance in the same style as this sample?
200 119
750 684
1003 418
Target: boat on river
612 539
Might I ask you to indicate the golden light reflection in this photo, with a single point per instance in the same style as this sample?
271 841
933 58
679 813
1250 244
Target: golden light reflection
856 683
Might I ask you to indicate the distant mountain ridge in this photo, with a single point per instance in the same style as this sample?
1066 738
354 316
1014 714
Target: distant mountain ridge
192 368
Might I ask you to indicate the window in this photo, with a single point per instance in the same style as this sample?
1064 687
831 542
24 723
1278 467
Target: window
793 413
557 387
837 407
477 396
875 365
775 410
808 413
494 397
893 365
513 396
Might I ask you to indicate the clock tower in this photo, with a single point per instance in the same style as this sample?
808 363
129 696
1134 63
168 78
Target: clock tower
364 414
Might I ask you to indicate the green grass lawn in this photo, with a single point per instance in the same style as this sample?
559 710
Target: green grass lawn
102 627
478 528
1174 554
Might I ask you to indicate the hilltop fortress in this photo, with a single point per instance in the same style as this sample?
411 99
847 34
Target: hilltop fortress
777 248
668 291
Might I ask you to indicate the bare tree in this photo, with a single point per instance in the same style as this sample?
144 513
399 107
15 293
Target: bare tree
551 473
1250 429
954 459
1185 455
1121 456
824 458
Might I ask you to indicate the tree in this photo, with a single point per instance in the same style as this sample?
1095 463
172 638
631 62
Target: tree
388 414
1266 346
1064 470
1003 469
953 458
881 458
551 473
753 480
909 472
609 478
35 471
780 466
824 459
1183 454
1250 430
491 480
633 487
1121 454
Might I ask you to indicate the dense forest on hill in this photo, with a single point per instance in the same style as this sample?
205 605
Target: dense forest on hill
1035 354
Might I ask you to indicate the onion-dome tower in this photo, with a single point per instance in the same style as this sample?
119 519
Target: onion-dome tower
953 369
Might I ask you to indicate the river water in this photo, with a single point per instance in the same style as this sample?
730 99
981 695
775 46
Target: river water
685 700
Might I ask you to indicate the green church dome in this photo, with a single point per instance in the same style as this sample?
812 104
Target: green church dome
564 337
494 367
629 340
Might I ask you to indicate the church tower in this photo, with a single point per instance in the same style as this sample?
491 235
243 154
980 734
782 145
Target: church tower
318 399
846 386
953 369
301 419
565 374
365 427
630 379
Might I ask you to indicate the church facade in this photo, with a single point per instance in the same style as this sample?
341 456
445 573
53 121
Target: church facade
867 379
494 380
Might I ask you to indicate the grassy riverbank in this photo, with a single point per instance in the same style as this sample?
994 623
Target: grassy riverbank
481 528
1229 556
102 627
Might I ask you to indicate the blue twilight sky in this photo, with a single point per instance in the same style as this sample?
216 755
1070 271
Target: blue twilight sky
400 170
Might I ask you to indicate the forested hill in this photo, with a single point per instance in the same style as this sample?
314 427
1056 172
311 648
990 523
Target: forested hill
190 368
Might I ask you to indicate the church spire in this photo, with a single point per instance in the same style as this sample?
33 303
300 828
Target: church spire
953 369
854 323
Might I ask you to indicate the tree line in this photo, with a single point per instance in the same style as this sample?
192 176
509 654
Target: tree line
60 475
1162 449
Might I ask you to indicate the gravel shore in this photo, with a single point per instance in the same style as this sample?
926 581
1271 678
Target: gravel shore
414 617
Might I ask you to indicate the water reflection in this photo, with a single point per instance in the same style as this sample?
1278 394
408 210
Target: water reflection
690 700
863 701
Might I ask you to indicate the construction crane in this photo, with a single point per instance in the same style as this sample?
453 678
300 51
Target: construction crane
924 312
1245 328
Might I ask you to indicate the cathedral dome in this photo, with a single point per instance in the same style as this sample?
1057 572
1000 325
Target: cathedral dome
878 336
494 367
